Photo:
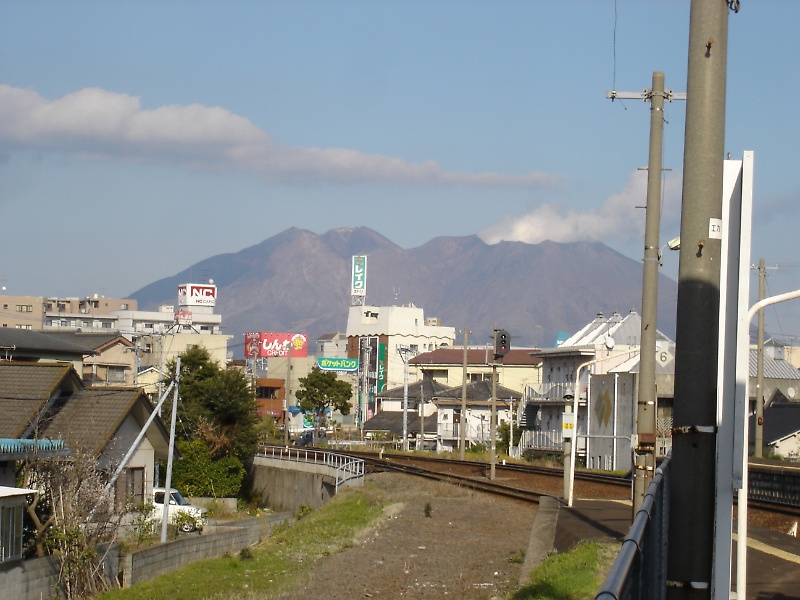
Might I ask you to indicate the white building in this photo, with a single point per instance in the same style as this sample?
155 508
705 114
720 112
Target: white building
162 335
384 338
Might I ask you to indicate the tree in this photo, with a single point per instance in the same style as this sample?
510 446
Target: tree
73 517
217 405
218 423
320 391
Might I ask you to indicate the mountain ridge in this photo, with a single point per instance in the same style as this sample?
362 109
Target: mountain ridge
297 280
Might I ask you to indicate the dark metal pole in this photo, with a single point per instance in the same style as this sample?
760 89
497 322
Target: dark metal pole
693 468
645 448
759 432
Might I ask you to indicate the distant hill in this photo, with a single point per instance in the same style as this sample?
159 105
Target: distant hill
300 281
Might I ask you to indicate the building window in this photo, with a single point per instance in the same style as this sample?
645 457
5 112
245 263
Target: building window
24 308
116 374
10 533
27 327
106 324
123 306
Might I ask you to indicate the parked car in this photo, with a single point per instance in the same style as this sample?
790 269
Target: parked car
307 437
178 505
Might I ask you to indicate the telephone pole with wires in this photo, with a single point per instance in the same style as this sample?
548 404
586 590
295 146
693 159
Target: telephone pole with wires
644 441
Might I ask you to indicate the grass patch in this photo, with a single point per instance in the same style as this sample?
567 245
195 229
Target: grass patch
274 566
576 575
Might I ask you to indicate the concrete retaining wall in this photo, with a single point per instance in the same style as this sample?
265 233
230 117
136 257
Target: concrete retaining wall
29 580
148 563
285 486
221 506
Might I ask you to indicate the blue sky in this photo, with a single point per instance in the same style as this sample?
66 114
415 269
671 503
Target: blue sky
137 138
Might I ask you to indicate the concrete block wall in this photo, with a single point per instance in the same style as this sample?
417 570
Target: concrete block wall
29 579
148 563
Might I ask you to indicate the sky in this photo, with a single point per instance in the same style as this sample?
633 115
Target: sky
140 137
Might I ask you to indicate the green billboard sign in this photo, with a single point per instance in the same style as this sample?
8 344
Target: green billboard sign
338 364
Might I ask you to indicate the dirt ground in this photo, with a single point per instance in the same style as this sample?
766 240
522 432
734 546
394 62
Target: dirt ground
470 546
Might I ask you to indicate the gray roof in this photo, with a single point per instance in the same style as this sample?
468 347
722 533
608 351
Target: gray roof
392 421
26 388
91 342
773 368
26 344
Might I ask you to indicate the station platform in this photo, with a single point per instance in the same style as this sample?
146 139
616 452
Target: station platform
773 559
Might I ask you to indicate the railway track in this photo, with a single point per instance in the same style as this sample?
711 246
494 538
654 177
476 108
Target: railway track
523 482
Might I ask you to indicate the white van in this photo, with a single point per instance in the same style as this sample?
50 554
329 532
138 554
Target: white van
178 504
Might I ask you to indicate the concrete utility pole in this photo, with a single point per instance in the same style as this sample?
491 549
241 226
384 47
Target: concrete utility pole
493 416
694 434
644 447
758 439
462 430
644 450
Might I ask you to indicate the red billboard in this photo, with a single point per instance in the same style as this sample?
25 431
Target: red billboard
264 344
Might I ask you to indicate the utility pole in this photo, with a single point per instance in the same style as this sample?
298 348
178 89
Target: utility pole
171 451
694 433
493 417
645 439
758 439
462 433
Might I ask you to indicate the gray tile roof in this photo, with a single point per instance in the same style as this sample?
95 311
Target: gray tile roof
25 390
392 421
91 418
91 342
26 343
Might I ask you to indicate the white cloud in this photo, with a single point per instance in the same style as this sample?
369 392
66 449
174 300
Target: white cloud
98 124
617 218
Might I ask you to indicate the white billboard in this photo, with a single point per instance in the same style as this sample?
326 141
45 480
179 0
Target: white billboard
359 279
195 294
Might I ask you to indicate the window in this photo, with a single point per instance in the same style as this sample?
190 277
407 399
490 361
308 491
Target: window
28 327
123 306
130 487
106 324
24 308
10 532
116 375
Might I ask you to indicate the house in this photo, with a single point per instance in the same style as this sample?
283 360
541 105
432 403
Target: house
109 359
478 414
518 369
596 370
48 401
383 339
781 429
436 410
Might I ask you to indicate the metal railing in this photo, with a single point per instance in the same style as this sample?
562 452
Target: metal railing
348 470
640 569
542 440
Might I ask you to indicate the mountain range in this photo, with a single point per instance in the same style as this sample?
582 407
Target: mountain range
299 281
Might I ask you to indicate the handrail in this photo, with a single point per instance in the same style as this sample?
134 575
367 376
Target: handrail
346 468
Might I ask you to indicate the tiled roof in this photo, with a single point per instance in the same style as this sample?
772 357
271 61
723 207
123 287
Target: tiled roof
392 421
480 391
90 342
92 417
430 388
30 343
25 389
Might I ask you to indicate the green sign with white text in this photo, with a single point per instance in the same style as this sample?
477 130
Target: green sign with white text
338 364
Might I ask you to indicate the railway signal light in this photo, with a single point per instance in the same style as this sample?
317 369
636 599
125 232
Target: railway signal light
502 343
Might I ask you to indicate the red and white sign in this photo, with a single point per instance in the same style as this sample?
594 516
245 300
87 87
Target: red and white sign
194 294
183 317
265 344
